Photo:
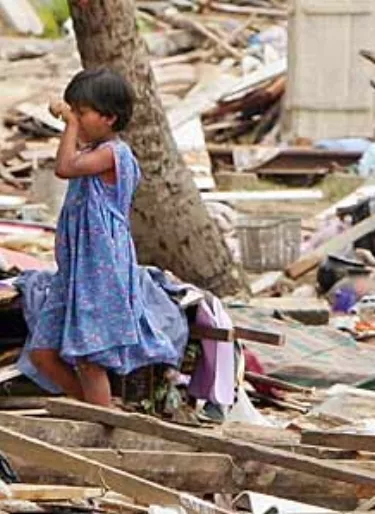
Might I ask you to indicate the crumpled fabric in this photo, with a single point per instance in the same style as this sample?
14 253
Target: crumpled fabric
161 312
214 376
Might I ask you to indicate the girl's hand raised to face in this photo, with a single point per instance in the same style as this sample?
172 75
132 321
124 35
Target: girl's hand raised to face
60 109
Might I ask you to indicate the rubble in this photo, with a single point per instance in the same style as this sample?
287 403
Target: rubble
21 17
304 326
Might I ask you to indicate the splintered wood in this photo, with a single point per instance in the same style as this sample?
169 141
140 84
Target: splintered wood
174 464
142 491
208 442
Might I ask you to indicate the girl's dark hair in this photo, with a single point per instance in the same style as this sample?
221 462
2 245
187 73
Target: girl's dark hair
104 91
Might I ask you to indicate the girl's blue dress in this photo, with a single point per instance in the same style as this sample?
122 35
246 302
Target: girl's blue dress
94 308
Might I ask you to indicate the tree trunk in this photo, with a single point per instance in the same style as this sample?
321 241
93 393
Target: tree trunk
171 226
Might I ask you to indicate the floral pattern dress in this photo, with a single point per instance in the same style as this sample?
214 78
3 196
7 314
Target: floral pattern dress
94 308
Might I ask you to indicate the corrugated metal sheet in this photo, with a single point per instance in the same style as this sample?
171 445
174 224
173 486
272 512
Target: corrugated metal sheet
328 92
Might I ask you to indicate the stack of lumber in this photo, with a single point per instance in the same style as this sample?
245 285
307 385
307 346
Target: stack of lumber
150 461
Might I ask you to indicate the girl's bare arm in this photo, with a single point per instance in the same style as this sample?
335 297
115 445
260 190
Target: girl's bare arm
69 162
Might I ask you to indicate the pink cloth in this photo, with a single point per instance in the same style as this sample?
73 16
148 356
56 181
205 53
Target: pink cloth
213 378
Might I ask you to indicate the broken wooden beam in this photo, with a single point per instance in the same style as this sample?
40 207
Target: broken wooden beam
261 478
357 442
177 470
336 244
142 491
238 332
204 441
269 400
257 378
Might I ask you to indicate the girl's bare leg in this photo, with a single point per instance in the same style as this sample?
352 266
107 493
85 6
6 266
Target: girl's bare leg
57 371
95 383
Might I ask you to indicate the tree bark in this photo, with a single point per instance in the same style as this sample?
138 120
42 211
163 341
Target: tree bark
171 226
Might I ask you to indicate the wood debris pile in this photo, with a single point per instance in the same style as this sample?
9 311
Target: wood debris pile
145 461
220 68
228 62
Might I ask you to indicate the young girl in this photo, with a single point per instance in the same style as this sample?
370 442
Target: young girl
93 318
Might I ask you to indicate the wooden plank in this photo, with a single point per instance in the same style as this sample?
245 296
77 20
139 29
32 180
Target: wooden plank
238 332
300 195
30 412
302 487
79 433
275 382
33 492
312 311
177 470
265 281
359 463
23 402
169 468
259 336
358 442
261 478
9 372
276 402
215 334
336 244
142 491
292 171
84 434
266 436
204 441
113 502
319 451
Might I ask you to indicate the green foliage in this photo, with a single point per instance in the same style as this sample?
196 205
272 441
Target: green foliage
51 29
52 14
60 11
